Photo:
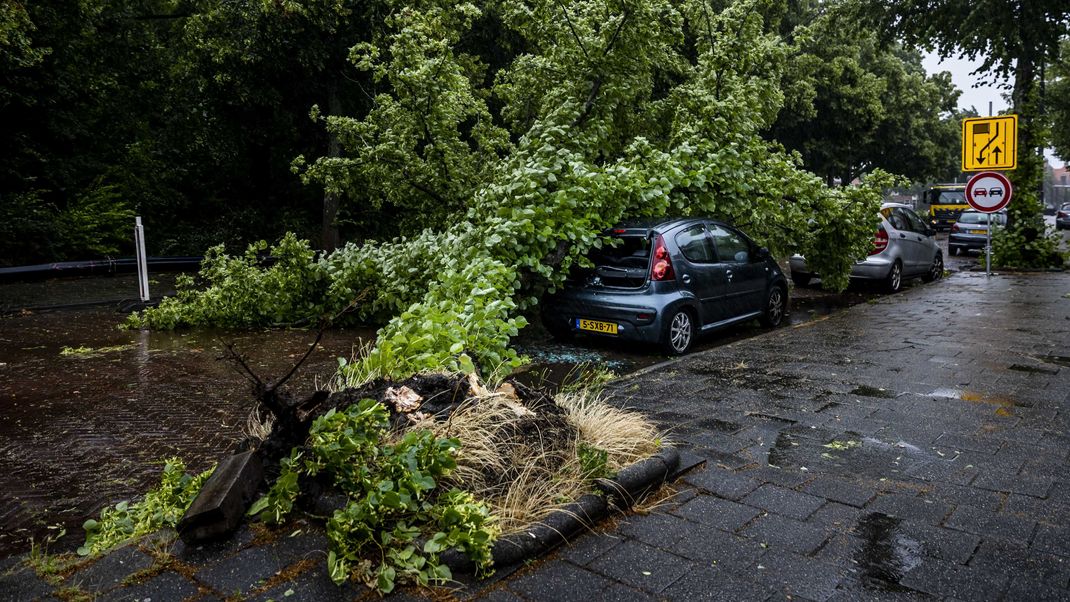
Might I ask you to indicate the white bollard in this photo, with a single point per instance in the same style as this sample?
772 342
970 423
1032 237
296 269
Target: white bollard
142 262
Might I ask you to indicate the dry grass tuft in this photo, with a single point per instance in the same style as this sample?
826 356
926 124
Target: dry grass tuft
526 466
625 436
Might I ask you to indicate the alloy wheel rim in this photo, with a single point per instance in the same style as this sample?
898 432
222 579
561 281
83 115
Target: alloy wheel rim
775 307
680 331
896 277
938 268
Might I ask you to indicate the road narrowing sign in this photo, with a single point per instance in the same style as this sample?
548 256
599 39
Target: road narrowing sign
988 192
990 143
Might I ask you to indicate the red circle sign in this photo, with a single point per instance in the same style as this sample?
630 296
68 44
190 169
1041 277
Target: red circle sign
988 192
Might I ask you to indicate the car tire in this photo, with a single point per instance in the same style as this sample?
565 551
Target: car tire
558 331
893 282
800 280
678 333
776 305
936 270
952 250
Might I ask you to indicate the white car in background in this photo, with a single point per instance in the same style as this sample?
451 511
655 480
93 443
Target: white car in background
903 248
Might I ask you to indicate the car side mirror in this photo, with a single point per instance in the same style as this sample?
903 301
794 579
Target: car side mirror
930 232
763 253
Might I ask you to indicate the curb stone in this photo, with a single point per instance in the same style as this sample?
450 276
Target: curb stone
620 493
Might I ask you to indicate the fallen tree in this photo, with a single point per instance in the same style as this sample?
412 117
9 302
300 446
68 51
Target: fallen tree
610 113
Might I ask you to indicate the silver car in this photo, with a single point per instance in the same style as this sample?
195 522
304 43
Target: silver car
903 247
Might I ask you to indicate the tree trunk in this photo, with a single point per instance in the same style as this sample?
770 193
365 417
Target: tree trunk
329 237
1024 211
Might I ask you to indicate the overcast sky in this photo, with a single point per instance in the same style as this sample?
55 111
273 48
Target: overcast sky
976 97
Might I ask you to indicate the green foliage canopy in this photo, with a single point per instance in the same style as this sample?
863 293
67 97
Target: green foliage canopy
614 110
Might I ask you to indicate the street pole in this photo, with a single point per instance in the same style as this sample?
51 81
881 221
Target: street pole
142 263
988 246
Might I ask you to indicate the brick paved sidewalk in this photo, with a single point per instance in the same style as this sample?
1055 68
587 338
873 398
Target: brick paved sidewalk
912 448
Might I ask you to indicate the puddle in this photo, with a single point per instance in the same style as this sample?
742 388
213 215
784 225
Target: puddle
1004 405
886 553
868 391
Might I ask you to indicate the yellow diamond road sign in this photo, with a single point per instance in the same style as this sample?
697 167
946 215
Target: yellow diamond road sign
990 143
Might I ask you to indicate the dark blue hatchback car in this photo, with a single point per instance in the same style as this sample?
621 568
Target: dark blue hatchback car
666 282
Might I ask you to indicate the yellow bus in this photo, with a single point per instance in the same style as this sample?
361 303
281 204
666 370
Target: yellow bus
946 202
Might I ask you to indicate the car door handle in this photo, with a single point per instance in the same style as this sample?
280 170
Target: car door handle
901 235
686 278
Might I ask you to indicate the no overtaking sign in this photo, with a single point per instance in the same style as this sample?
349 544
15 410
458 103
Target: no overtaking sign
988 192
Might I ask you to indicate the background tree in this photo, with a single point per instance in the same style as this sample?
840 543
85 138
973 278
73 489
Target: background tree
856 102
1012 39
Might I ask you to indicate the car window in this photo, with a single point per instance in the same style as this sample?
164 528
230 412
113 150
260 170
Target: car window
695 245
896 218
730 246
916 223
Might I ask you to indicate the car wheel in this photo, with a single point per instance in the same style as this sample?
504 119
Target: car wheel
800 280
894 280
678 333
559 330
953 250
936 270
775 307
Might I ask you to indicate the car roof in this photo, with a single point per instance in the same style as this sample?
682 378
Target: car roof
899 205
639 226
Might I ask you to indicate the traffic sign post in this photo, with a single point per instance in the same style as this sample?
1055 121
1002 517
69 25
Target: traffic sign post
990 143
988 192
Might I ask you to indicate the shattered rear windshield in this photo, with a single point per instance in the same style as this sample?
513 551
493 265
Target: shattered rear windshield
623 261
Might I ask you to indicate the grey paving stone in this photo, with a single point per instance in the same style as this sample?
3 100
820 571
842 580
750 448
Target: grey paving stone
991 524
798 576
213 551
618 592
784 501
714 584
910 507
938 542
723 514
657 528
834 516
241 572
313 586
839 490
499 595
111 570
854 591
722 483
1027 589
988 445
785 477
955 495
165 586
1021 563
22 585
1014 483
941 578
710 546
560 580
1053 539
588 546
641 566
781 532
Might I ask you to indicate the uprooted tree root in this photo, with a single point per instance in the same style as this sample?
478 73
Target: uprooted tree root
523 453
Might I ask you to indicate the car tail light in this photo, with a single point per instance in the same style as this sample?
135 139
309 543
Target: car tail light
1064 214
955 228
662 268
880 242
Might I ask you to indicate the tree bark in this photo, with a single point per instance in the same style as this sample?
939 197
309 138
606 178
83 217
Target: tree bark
329 238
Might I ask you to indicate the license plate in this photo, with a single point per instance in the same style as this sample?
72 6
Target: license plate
596 326
976 231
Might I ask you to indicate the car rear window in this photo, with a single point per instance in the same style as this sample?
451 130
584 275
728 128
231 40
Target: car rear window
980 218
623 261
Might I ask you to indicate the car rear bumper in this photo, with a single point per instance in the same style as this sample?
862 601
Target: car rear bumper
635 321
873 268
967 241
